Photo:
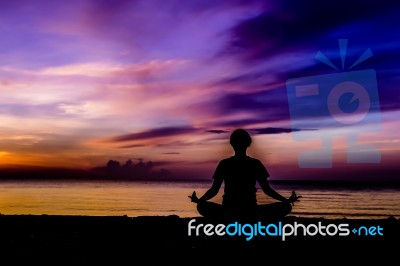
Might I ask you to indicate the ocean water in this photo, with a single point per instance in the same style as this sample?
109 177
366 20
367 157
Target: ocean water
116 198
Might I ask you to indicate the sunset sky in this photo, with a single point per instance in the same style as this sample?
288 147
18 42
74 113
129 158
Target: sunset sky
86 81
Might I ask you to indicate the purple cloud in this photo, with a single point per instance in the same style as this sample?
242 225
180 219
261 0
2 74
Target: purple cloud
154 133
30 110
216 131
300 29
131 146
266 106
292 24
274 130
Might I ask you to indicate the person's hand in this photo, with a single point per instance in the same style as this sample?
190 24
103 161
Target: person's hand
294 197
194 197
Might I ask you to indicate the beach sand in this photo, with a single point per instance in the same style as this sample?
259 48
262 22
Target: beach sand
88 240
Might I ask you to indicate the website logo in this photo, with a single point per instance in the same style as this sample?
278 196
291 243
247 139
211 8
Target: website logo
281 230
332 104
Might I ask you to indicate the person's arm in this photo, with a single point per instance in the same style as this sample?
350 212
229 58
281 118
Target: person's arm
216 185
268 190
273 194
210 193
213 191
263 174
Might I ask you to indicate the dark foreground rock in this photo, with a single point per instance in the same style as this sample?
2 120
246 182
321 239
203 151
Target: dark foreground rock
89 240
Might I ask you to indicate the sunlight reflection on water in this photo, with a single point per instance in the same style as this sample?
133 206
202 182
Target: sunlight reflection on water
115 198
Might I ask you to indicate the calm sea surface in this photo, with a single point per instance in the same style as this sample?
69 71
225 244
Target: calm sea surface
116 198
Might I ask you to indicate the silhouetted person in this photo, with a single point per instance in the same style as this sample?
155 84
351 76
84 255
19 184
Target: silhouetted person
239 174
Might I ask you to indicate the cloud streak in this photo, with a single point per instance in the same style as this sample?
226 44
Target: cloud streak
154 133
216 131
275 130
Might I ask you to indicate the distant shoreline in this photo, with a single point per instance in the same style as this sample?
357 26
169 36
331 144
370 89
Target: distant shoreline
367 184
28 173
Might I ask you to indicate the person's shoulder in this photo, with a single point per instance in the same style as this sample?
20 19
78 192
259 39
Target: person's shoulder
252 159
255 161
258 166
227 160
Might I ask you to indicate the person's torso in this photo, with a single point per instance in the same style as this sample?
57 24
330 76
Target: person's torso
240 177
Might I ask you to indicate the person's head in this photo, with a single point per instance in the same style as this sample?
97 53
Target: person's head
240 140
